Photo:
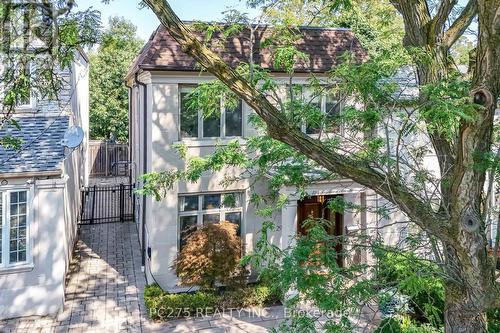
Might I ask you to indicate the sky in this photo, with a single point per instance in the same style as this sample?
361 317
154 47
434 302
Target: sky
146 21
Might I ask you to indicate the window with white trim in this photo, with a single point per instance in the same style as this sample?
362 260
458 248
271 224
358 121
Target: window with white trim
15 228
328 103
26 101
200 209
22 102
227 124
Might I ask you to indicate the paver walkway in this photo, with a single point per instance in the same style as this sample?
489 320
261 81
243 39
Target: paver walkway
104 293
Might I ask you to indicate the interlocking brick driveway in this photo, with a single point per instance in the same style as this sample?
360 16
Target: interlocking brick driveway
104 293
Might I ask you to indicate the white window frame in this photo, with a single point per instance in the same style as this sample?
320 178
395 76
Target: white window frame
322 97
200 211
5 197
29 107
32 103
222 120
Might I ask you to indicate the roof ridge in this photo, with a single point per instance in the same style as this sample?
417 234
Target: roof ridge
301 27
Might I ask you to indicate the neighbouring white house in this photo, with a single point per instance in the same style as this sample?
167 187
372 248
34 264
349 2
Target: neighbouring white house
40 197
159 79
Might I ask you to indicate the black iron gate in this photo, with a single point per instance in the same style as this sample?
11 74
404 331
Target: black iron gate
106 204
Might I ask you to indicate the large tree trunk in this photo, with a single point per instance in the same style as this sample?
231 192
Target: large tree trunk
467 294
459 320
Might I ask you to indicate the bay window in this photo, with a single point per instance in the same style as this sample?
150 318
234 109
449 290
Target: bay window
225 124
14 229
197 210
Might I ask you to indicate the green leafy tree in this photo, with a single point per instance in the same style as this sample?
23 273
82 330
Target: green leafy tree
108 66
39 41
452 113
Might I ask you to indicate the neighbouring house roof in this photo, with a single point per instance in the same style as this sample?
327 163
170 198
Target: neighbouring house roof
41 149
324 46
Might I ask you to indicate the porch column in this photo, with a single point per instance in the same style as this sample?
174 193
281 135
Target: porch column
288 224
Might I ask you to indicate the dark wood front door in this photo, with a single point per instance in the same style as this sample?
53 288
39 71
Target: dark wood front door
317 207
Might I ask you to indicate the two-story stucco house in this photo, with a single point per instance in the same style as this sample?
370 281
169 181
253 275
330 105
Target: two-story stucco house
40 197
159 80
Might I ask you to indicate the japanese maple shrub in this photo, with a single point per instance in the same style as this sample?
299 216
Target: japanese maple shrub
210 256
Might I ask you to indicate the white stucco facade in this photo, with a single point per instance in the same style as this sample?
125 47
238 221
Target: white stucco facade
35 286
156 131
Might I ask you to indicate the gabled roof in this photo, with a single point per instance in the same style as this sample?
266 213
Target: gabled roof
324 46
41 150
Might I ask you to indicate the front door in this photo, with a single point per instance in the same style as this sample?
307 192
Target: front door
317 207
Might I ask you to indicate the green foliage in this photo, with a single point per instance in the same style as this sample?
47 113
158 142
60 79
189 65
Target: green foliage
252 295
33 70
207 97
404 325
165 306
417 278
108 93
493 320
389 325
461 50
311 269
448 104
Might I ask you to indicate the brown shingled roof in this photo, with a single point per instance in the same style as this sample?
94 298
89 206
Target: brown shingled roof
324 46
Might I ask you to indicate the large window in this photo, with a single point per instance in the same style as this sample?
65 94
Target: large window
14 229
195 210
228 123
328 103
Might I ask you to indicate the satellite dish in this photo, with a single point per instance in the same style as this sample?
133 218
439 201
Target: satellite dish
73 137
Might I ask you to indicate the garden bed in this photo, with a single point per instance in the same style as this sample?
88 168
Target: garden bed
163 306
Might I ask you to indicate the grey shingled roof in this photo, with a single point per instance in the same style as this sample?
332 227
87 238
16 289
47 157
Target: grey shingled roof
41 145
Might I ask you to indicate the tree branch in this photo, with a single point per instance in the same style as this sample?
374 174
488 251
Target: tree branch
416 17
442 14
280 129
461 23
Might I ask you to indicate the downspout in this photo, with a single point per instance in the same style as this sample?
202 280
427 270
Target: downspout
130 135
145 167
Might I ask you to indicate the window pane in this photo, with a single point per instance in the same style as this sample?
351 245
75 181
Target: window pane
189 119
189 203
211 218
211 201
211 126
24 98
332 110
17 232
232 200
332 107
22 196
235 217
313 125
14 197
234 121
188 226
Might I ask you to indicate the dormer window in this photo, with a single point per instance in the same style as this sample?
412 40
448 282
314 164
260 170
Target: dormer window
226 124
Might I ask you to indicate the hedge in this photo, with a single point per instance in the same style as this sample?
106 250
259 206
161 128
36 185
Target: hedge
166 306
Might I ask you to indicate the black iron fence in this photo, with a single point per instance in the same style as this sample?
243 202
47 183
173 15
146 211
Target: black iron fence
105 204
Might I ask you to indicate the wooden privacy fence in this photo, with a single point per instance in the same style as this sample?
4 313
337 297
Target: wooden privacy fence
105 158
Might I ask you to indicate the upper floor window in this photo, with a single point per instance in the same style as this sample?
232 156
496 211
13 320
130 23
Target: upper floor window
14 229
26 100
20 96
326 102
227 123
